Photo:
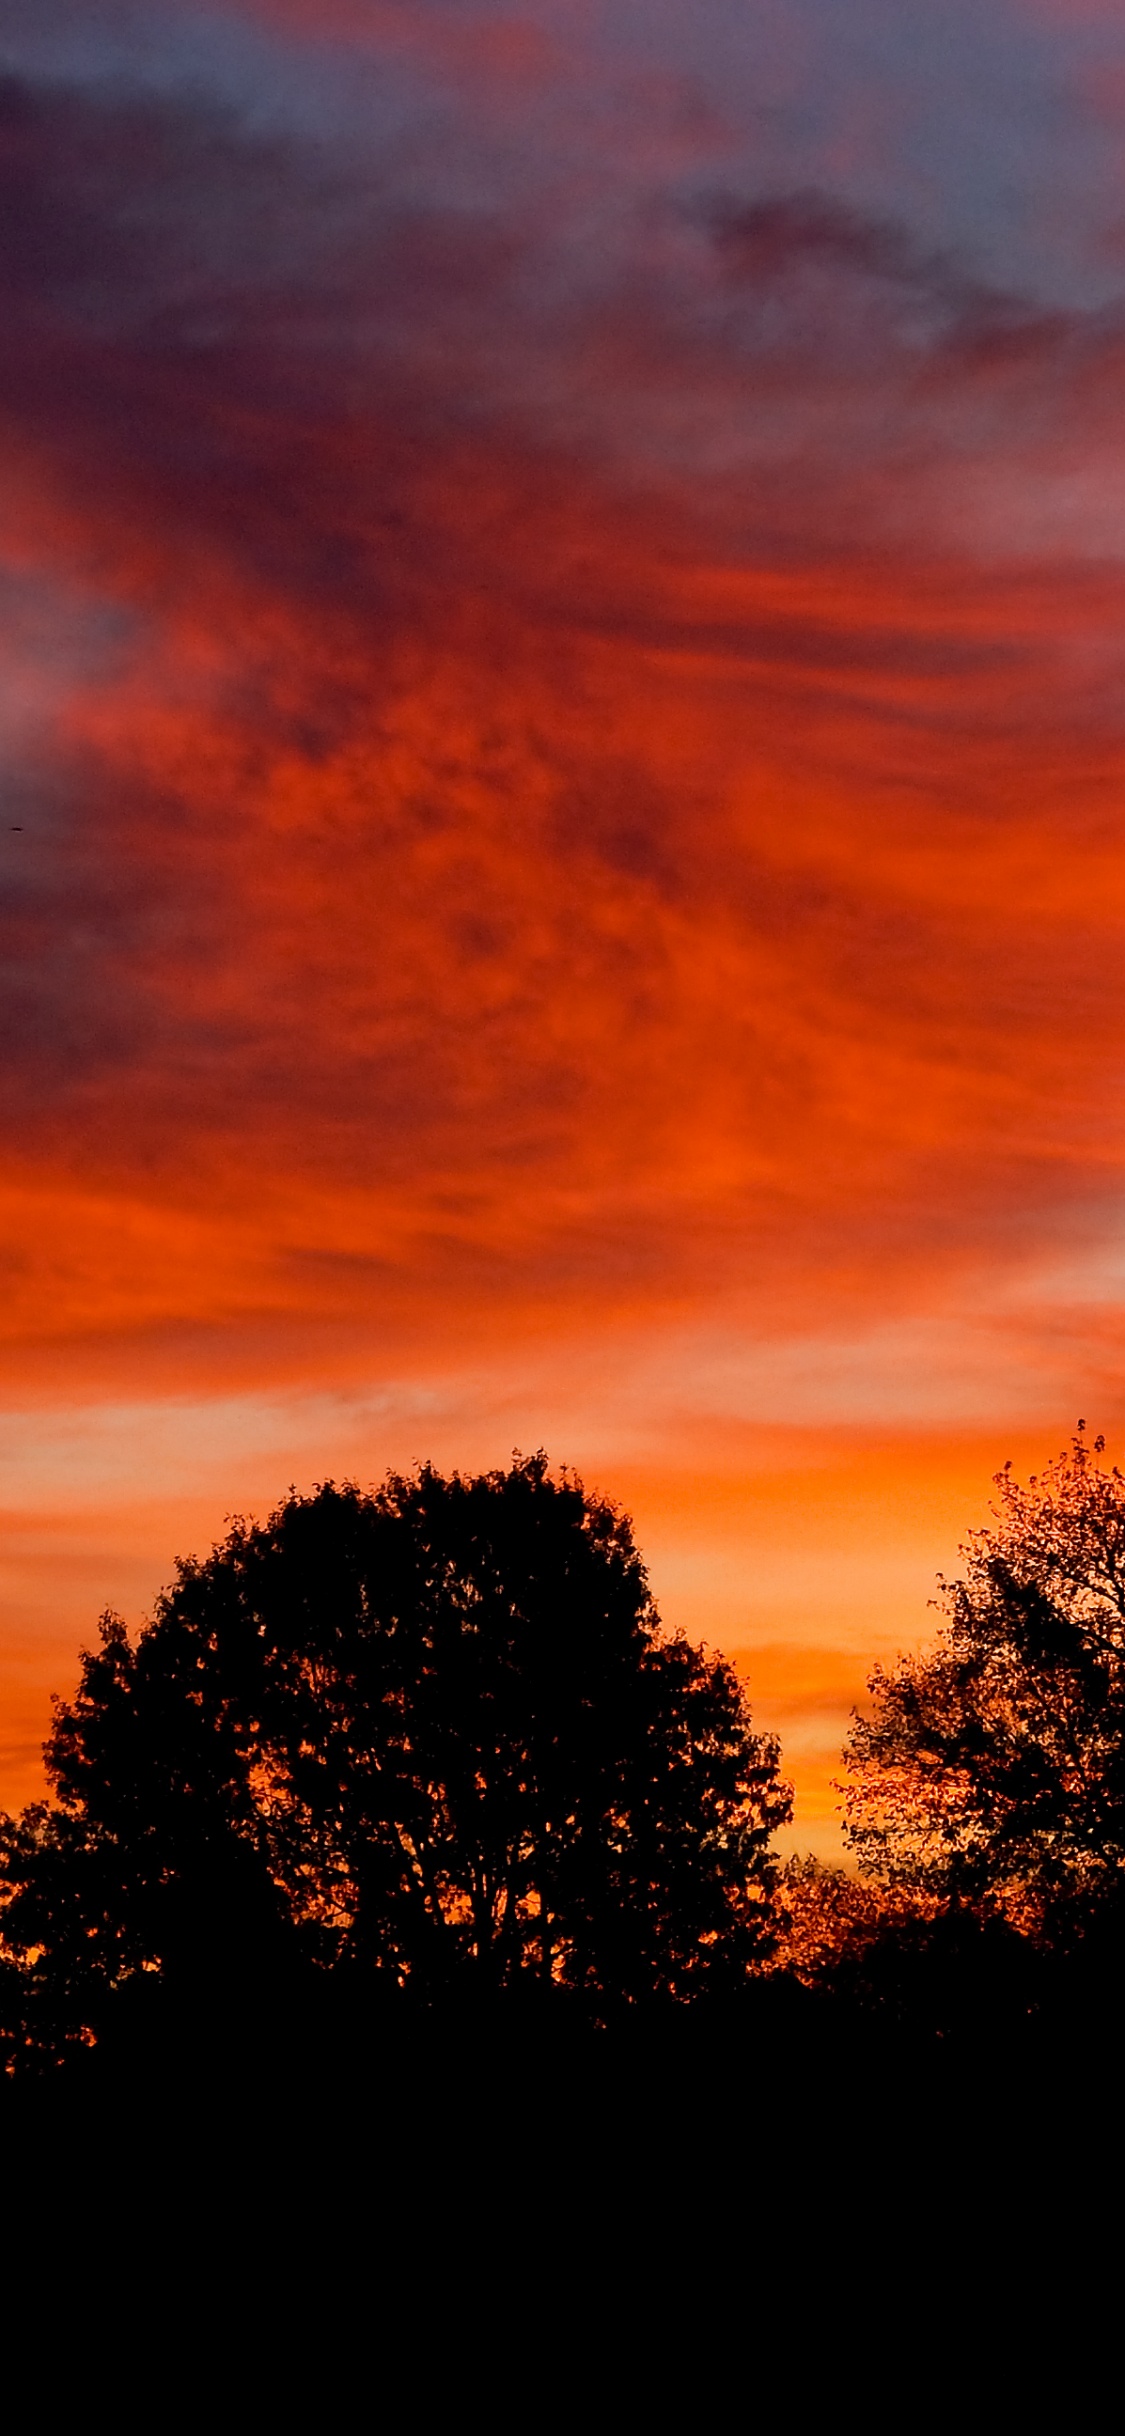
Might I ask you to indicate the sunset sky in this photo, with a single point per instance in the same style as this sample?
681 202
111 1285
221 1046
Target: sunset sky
562 851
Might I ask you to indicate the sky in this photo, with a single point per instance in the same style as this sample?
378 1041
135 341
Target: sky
562 732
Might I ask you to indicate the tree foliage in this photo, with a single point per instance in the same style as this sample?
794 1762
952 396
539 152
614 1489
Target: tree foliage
991 1769
434 1736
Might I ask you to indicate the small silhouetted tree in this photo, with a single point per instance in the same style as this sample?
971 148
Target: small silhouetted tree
991 1770
433 1737
902 1956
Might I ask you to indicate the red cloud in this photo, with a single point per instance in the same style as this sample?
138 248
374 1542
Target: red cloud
582 788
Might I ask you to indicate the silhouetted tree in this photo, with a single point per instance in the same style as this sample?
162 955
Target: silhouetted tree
432 1736
991 1771
903 1957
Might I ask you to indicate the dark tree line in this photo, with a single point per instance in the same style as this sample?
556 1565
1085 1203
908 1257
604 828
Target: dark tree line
431 1747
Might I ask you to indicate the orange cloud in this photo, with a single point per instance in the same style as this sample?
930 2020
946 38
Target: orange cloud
563 871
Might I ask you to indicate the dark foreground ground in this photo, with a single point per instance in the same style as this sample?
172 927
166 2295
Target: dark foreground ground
303 2207
300 2077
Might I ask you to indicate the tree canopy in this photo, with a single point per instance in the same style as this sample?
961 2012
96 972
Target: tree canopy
433 1735
991 1769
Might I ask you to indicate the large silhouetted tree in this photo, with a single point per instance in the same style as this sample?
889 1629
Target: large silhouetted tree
991 1771
433 1736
